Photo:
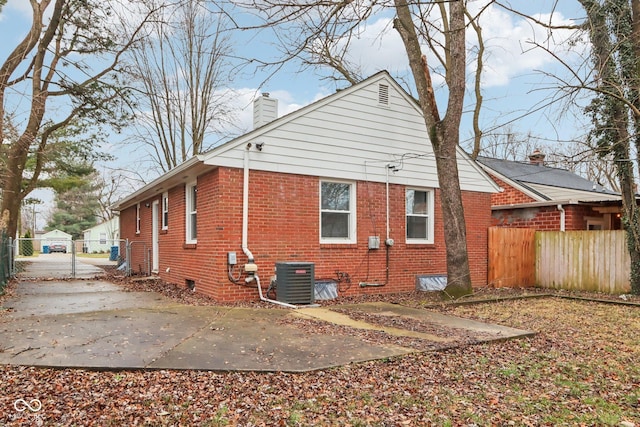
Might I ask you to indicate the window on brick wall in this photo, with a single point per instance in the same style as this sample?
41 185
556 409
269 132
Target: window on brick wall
165 211
192 212
138 218
419 212
337 212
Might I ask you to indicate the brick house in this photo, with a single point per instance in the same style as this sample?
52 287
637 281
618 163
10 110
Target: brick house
347 184
549 199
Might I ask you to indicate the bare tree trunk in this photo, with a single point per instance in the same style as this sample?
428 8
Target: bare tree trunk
444 134
617 65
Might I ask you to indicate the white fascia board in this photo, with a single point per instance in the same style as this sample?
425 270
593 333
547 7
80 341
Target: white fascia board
464 156
146 190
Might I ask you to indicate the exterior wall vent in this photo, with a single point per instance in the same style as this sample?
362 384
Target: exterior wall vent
383 94
295 282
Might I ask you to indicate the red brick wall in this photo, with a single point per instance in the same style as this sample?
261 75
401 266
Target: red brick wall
284 226
510 195
545 218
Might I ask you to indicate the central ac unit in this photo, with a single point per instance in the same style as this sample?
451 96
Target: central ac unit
295 282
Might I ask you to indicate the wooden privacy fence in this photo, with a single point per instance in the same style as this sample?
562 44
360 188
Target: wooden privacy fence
512 255
583 260
572 260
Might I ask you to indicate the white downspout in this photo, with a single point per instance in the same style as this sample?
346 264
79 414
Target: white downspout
562 217
245 206
386 240
251 268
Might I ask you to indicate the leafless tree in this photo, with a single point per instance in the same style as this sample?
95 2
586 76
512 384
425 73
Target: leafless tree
183 70
64 70
318 26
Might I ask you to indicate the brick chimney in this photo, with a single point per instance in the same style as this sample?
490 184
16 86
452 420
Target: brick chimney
536 158
265 110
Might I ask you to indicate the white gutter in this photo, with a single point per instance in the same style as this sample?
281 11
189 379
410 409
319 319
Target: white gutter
141 192
562 217
541 204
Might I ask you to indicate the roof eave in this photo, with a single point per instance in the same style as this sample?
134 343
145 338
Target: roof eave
147 191
551 203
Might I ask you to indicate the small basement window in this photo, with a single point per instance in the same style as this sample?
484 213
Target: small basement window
191 284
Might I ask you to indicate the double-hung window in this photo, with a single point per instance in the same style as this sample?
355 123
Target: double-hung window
419 211
337 212
192 212
138 218
165 211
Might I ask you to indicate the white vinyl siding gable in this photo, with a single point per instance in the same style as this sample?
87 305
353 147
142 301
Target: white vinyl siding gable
350 136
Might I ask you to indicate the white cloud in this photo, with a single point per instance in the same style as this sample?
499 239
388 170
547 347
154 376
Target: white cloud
509 46
515 45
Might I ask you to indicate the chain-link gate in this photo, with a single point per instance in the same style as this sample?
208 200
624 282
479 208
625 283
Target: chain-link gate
62 259
5 259
140 258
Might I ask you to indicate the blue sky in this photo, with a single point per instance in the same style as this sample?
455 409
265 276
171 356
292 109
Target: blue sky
516 82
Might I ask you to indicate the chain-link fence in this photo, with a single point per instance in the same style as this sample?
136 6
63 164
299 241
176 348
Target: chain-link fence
140 258
62 259
5 259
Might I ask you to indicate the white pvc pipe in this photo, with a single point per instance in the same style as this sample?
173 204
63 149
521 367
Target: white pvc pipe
284 304
245 206
387 236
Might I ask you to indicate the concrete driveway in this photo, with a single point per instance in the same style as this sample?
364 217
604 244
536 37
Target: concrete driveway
95 324
60 266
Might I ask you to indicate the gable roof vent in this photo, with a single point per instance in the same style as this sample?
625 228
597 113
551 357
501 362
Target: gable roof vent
383 94
265 110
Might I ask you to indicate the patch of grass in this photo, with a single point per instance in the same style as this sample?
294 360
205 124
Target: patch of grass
84 255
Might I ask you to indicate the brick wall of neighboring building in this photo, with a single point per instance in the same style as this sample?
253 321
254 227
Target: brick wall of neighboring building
284 226
510 195
545 218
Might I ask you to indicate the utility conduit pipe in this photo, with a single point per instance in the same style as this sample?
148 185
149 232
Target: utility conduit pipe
388 242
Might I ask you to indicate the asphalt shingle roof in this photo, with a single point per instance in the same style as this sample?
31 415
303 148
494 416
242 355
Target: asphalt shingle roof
527 173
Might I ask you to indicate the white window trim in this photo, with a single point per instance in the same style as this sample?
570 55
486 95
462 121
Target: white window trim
165 210
353 215
138 218
188 213
595 221
430 218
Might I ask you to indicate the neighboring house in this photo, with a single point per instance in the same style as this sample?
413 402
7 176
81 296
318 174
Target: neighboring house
536 196
56 237
347 183
101 237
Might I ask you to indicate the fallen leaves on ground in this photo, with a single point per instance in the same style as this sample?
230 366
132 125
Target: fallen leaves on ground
581 368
